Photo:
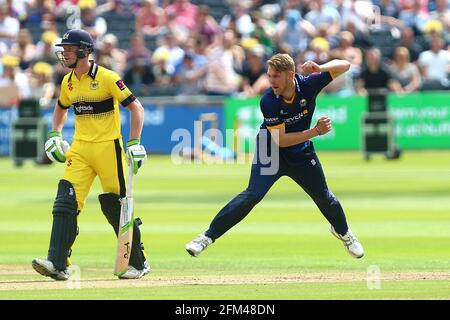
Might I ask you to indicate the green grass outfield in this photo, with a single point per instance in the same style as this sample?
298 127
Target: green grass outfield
400 211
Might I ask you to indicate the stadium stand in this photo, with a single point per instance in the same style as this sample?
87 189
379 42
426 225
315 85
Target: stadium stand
256 25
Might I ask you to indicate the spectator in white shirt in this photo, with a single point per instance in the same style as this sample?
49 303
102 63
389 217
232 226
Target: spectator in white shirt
323 14
9 27
435 65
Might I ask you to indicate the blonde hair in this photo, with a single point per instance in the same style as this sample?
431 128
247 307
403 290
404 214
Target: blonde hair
347 36
402 51
281 62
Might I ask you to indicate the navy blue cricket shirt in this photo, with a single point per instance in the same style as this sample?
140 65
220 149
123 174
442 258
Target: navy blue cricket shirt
297 114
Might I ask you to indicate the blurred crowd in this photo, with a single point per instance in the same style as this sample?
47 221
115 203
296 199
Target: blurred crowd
219 47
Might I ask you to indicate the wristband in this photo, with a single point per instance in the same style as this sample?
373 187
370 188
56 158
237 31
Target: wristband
132 142
52 134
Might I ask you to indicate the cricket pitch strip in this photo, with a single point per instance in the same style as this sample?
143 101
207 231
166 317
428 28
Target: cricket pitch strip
20 277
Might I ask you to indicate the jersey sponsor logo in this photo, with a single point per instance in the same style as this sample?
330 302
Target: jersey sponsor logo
91 107
83 108
121 85
94 85
270 121
296 118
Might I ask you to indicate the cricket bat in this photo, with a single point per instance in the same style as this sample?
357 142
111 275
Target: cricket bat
125 235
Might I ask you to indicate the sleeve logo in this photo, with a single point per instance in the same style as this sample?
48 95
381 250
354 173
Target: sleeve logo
121 85
270 121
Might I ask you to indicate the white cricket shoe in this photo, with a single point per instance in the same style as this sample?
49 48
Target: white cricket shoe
351 244
196 246
46 268
133 273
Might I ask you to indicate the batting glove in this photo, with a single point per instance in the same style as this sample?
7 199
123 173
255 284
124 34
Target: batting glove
136 154
55 147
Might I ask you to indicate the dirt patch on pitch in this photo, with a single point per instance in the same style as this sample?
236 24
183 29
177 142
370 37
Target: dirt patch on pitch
29 280
10 270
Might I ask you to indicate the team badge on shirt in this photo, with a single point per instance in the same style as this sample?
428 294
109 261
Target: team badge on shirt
70 86
94 85
121 85
303 106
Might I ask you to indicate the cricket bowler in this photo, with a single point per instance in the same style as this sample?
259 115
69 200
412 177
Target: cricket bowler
288 107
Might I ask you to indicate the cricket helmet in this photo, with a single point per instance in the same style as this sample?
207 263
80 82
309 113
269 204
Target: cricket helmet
77 37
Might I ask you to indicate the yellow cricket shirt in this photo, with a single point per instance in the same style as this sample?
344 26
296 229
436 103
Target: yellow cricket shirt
95 99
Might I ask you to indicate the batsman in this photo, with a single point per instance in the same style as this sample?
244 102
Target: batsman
97 149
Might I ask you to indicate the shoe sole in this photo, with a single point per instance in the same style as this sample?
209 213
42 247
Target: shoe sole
334 233
192 253
44 271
